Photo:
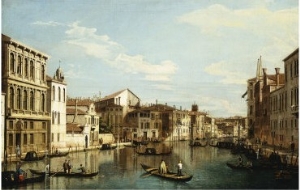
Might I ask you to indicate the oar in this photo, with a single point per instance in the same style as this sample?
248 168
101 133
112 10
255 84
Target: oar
55 173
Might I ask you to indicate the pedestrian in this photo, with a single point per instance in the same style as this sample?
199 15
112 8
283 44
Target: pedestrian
162 167
65 166
69 166
47 169
82 168
179 171
18 151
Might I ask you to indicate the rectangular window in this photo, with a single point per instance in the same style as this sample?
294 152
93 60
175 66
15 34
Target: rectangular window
31 138
52 137
11 124
43 138
25 125
25 139
31 125
58 137
44 125
10 140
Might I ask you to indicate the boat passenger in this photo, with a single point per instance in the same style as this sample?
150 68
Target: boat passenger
179 168
69 166
65 166
82 168
240 160
163 167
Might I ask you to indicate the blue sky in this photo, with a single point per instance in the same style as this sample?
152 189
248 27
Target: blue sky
173 51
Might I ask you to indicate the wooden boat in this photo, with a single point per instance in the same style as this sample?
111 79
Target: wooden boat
11 178
63 174
32 156
108 146
239 167
170 175
152 151
199 143
59 154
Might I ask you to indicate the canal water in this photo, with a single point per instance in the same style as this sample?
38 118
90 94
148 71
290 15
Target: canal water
120 169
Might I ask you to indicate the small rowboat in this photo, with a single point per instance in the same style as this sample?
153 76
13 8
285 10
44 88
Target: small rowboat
63 174
239 167
170 175
59 154
11 179
108 146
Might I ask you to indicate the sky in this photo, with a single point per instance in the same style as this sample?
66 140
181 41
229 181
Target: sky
171 52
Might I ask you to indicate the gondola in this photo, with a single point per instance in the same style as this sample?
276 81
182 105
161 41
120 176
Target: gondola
63 174
198 143
108 146
11 179
32 156
170 175
239 167
152 151
59 154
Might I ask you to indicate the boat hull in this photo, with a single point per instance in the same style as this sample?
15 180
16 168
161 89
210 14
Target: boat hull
169 176
63 174
10 179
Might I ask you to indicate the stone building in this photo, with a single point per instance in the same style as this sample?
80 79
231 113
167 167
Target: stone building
24 83
113 109
82 123
284 102
57 92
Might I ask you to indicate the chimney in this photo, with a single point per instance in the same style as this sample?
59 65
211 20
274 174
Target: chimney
265 77
277 76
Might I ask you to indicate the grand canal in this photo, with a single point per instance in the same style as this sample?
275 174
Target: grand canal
120 169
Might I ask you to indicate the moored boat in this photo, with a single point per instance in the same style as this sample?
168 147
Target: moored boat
59 154
169 175
32 156
153 151
199 143
63 174
108 146
239 167
11 179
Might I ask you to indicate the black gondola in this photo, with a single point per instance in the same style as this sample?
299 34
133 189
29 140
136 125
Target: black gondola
108 146
12 179
59 154
153 151
32 156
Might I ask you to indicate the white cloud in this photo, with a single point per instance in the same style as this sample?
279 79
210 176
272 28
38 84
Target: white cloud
215 18
113 54
49 23
227 72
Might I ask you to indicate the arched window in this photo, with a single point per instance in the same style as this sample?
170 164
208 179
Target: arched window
43 73
53 92
18 98
25 100
59 94
26 68
58 118
11 97
31 101
64 94
19 65
12 63
43 102
31 69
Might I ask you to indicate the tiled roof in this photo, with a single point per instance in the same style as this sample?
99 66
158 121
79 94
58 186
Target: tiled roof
71 111
112 95
80 102
73 127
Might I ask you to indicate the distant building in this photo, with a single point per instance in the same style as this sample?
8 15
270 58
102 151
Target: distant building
82 123
3 132
24 83
284 106
57 92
